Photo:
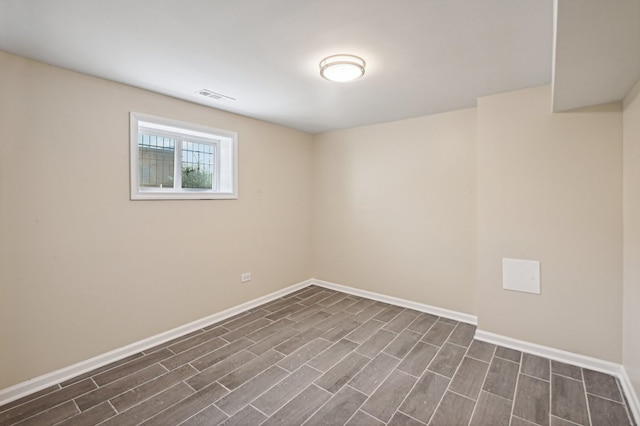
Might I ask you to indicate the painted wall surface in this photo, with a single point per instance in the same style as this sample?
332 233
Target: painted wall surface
631 291
549 188
394 209
84 270
422 209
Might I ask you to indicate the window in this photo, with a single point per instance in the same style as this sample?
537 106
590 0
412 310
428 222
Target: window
175 160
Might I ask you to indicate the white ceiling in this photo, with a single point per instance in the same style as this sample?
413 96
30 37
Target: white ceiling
423 56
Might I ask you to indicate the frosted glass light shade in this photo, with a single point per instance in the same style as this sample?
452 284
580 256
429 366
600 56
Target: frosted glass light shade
342 68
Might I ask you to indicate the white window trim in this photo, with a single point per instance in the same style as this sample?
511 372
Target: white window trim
194 132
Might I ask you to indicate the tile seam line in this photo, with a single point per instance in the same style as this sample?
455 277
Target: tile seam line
318 408
57 405
515 390
294 396
473 412
137 386
357 409
604 397
586 397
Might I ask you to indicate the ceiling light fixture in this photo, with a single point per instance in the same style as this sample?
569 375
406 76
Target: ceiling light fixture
342 68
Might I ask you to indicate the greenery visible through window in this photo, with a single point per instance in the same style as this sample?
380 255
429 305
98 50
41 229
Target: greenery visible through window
197 165
174 160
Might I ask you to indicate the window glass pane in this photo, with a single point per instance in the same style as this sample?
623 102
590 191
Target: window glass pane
197 165
155 161
175 160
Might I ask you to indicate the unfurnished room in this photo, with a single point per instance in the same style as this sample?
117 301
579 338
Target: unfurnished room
297 212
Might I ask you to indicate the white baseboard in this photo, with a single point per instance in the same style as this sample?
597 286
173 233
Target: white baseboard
551 353
41 382
458 316
595 364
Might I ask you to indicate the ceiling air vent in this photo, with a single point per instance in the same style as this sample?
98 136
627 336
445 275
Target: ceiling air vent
215 96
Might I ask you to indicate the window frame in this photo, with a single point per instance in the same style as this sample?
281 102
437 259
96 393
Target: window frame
189 132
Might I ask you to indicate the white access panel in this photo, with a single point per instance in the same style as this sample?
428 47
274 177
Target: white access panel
521 275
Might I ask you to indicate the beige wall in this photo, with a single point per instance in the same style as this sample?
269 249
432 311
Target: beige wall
409 209
394 209
549 188
83 270
631 292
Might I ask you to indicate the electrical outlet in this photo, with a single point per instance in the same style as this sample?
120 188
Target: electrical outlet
245 277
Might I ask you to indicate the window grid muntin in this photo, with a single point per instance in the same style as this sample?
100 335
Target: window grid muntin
196 154
150 138
154 149
225 179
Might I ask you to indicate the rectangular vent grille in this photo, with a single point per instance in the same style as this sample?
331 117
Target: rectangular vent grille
215 96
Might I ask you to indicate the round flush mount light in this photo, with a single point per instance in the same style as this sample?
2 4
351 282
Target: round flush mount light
342 68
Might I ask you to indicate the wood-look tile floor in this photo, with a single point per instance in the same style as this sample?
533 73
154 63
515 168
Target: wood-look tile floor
321 357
